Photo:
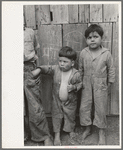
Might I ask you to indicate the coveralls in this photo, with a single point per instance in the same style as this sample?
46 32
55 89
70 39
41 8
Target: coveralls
34 109
59 110
96 74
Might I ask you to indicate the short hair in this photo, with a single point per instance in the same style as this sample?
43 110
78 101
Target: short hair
94 28
67 52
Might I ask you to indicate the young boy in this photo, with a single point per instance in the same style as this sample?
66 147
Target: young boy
97 70
66 83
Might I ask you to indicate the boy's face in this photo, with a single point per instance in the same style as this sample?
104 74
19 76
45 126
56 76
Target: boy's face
94 40
65 64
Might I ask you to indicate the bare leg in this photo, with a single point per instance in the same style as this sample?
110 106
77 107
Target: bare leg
26 128
102 137
72 135
86 133
48 142
57 141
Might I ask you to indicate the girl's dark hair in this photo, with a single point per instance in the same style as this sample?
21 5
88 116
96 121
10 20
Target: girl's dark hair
94 28
67 52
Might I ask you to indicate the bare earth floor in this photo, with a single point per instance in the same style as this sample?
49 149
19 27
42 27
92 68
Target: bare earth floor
112 133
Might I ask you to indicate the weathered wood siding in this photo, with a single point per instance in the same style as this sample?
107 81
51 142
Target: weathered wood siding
64 25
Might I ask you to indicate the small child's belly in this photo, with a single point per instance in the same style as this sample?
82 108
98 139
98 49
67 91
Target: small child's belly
63 93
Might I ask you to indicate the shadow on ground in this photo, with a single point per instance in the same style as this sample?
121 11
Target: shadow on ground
112 133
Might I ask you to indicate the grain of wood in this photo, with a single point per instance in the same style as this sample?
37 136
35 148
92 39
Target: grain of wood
73 36
95 12
84 13
73 13
50 39
107 37
42 14
110 12
30 16
115 86
59 13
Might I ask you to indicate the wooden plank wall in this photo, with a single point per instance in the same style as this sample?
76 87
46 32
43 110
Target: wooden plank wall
64 25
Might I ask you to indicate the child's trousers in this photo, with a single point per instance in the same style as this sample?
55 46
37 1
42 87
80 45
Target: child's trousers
37 120
95 91
68 112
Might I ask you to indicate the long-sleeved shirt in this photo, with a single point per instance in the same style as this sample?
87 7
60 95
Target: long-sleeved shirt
30 45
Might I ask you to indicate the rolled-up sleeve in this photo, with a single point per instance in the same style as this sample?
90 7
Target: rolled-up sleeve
47 69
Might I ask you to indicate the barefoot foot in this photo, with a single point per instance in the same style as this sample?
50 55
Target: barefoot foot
102 137
72 136
86 133
57 141
48 142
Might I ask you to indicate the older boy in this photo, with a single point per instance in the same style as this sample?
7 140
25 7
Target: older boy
96 67
66 83
34 113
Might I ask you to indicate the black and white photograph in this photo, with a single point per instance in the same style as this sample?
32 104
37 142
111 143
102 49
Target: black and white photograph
61 75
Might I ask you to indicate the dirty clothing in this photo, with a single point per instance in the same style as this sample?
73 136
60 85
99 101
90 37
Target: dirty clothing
30 45
59 109
37 120
96 74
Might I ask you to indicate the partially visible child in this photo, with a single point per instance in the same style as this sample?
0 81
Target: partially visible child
97 70
66 83
34 115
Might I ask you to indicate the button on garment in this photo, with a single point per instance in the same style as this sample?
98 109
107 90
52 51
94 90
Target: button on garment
96 73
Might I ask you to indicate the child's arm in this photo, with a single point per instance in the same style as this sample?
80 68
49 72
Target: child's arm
36 72
47 69
110 69
44 69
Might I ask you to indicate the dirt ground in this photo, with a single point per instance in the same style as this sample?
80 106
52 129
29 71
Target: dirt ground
112 133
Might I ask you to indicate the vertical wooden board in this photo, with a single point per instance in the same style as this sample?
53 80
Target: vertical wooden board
115 85
46 92
110 12
84 13
107 42
76 65
73 13
42 14
50 39
73 36
30 16
59 14
95 12
107 28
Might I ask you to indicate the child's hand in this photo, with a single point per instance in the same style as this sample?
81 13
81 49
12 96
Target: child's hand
71 87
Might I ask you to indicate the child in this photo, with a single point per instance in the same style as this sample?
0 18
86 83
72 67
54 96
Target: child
66 83
34 114
97 70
